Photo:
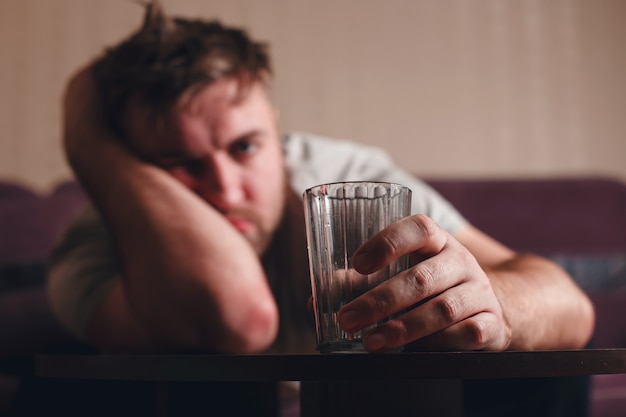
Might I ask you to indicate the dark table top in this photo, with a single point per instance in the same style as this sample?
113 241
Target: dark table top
336 367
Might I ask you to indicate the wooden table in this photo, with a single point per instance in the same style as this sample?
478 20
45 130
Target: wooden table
336 384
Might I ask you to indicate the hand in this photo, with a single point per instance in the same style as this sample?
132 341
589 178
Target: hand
451 303
83 121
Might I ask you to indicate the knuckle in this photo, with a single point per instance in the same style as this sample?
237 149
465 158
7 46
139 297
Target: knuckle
448 308
466 257
390 242
422 278
396 331
466 260
476 332
426 226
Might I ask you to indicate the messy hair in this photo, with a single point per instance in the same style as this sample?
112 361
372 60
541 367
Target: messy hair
168 57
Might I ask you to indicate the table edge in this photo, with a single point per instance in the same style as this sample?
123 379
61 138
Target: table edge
321 367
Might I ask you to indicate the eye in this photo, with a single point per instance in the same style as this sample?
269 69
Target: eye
244 148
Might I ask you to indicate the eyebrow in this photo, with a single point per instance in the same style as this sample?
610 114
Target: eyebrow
247 135
175 155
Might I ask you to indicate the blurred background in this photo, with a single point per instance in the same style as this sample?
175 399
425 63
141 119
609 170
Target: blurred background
452 88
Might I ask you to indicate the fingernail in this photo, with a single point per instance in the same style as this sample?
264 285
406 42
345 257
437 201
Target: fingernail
349 320
375 341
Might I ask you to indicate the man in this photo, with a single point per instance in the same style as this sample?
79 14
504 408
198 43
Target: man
196 242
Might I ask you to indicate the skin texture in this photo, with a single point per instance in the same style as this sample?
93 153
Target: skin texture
210 177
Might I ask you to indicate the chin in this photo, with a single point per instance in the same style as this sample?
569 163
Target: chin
259 242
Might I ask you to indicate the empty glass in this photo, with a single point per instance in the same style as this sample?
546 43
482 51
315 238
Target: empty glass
340 217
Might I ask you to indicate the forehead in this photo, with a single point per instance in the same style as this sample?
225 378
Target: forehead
223 111
222 103
216 113
209 100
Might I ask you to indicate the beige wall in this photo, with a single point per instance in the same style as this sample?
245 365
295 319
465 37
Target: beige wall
451 87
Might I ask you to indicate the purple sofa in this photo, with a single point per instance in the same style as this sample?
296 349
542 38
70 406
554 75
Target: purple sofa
578 222
29 226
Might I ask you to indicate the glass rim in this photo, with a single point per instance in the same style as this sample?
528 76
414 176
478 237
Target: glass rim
384 183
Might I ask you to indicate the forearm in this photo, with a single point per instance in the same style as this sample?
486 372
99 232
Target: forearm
542 305
189 278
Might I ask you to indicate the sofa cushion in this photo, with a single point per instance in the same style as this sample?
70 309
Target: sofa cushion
610 331
30 223
21 276
595 273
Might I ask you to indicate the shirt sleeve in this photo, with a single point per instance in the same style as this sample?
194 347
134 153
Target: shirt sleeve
312 160
81 272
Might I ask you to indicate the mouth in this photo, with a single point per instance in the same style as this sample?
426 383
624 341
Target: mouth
242 225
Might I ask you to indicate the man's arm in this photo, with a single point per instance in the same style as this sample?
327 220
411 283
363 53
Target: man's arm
541 303
190 281
465 293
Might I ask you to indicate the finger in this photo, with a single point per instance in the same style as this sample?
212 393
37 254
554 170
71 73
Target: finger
424 280
483 331
452 267
447 309
416 233
344 285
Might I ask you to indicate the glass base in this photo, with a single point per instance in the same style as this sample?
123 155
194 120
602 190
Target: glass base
349 346
342 346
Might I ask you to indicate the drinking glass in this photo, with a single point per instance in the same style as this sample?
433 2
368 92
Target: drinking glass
340 217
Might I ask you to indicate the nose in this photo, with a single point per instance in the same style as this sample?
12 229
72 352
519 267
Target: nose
221 182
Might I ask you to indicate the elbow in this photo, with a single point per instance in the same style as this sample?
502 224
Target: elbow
238 331
249 330
242 326
260 331
582 312
588 323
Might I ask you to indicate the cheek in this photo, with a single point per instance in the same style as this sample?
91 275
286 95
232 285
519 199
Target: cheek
261 189
266 186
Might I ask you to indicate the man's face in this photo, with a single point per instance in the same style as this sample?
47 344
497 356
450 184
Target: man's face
226 151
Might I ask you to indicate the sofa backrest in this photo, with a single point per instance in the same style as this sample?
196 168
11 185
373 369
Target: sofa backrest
557 216
580 223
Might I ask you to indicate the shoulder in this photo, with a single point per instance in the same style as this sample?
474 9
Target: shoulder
314 159
81 270
309 147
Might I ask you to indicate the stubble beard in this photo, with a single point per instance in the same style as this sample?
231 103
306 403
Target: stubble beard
263 240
